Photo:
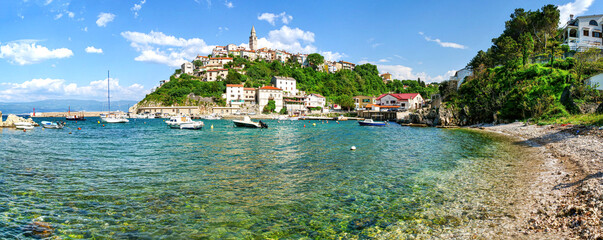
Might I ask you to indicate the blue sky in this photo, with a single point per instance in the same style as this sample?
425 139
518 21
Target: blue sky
62 49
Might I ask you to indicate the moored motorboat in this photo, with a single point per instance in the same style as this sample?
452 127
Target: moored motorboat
246 122
24 125
184 122
52 125
370 122
114 118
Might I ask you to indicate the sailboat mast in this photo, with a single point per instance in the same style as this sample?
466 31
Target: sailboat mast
108 93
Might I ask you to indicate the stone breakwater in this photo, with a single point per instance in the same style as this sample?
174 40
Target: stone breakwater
12 119
566 197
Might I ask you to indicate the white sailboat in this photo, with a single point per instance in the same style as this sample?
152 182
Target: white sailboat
112 117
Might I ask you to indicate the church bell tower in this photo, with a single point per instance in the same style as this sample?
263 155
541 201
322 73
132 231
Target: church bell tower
253 40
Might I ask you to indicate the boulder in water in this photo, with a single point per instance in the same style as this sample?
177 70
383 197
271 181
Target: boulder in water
12 119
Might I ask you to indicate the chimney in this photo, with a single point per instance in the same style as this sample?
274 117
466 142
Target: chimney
571 17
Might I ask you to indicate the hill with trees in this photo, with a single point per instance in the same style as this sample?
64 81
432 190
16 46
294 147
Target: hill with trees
528 74
338 87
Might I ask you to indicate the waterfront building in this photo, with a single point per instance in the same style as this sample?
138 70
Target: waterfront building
314 100
249 95
187 68
405 101
235 94
253 40
267 93
362 101
288 84
295 105
584 32
215 75
264 54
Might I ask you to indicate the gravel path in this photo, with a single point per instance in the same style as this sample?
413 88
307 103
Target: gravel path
566 192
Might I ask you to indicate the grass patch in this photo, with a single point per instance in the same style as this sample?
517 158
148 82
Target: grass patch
586 119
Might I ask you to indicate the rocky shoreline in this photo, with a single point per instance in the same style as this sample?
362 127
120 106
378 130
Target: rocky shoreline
565 197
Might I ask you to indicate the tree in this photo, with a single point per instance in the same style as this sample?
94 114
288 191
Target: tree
283 110
198 63
346 102
270 107
315 59
233 77
526 42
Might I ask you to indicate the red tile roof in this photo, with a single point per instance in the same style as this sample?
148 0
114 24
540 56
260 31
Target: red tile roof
270 88
249 88
234 85
318 95
221 58
400 96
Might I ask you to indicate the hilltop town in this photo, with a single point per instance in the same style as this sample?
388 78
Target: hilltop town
282 93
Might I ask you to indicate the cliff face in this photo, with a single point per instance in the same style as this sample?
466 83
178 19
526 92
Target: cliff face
441 116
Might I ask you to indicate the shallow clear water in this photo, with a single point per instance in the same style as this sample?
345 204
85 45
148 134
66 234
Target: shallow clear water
142 180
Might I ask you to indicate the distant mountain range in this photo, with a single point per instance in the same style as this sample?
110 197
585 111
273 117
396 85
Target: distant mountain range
63 106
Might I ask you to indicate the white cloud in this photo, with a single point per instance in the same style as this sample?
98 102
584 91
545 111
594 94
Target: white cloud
401 72
47 88
577 8
272 18
294 40
48 2
104 18
58 16
70 14
94 50
28 52
85 29
157 47
331 56
228 4
383 60
289 39
137 7
443 44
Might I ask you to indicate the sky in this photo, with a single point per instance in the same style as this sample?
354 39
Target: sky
62 49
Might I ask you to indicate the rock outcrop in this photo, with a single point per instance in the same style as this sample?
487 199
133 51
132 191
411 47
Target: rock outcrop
12 119
441 116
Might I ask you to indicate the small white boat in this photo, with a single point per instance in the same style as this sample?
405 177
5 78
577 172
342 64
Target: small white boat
52 125
183 122
370 122
212 117
246 122
114 118
24 125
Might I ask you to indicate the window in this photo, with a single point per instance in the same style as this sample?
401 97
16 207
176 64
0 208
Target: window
593 23
597 34
585 33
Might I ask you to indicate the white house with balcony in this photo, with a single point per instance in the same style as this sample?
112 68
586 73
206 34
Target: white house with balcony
460 75
288 84
401 100
235 94
315 100
584 32
268 93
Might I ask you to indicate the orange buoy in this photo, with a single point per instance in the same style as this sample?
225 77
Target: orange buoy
304 125
24 130
79 128
103 125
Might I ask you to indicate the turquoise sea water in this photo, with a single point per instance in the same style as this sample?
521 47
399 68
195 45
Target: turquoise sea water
142 180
